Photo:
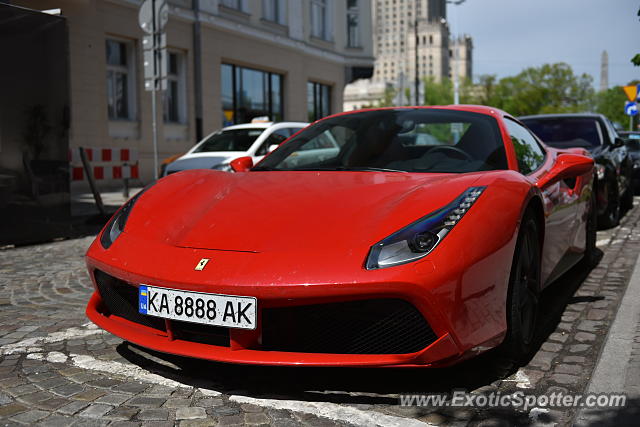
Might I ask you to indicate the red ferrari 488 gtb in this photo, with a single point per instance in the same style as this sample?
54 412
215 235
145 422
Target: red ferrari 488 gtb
385 237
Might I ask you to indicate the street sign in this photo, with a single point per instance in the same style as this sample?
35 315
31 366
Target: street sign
145 16
631 108
159 71
631 92
153 17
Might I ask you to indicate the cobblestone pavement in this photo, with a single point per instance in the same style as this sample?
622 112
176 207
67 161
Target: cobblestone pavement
57 369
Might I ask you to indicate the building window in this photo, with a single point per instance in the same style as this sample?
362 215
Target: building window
249 93
274 11
120 84
240 5
320 19
353 27
175 96
318 101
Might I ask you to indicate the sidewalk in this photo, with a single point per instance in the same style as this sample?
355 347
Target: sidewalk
618 369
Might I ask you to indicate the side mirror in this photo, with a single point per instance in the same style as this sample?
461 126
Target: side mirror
566 166
272 147
241 164
618 142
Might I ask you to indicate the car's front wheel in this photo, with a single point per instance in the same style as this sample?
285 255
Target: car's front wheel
611 216
524 292
627 197
591 253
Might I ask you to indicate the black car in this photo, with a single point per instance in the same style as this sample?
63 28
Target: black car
614 165
633 146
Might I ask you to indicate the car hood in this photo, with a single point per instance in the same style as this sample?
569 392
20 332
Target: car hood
288 211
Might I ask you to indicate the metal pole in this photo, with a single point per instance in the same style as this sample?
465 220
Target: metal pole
197 68
92 184
153 93
155 130
631 123
417 74
456 84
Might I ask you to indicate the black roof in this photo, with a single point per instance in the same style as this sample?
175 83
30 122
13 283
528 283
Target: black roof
561 115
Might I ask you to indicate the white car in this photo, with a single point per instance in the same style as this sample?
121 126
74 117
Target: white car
218 149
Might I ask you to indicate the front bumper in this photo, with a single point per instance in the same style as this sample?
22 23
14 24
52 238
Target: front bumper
257 346
435 294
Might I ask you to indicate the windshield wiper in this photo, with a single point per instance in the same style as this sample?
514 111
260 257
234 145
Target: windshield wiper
370 169
263 168
348 169
329 169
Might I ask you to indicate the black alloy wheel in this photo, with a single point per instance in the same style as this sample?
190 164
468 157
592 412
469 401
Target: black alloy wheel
627 197
524 293
611 216
591 253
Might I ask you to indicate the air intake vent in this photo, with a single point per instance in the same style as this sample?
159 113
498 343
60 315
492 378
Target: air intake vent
380 326
121 299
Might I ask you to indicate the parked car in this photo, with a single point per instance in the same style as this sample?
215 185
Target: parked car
219 148
632 139
614 165
387 251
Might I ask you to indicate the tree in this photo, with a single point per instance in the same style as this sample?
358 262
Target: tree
551 88
387 99
437 93
484 93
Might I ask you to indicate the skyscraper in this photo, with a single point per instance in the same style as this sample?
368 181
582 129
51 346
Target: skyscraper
411 42
398 26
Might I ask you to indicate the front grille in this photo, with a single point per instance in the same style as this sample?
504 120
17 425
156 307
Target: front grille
121 299
379 326
203 334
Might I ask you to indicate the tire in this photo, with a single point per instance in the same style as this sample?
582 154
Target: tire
627 197
591 251
611 216
627 200
523 294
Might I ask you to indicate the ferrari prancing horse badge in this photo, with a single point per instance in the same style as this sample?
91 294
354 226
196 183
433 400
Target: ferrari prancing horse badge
203 262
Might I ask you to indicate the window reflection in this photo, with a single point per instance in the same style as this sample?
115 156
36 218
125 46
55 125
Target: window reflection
249 93
318 100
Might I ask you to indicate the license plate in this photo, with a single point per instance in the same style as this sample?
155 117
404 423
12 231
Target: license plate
198 307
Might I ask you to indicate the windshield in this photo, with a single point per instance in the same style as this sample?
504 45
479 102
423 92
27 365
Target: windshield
230 140
403 140
567 132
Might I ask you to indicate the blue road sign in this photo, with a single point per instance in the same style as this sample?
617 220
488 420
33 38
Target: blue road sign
631 109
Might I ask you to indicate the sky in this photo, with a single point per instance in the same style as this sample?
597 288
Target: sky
510 35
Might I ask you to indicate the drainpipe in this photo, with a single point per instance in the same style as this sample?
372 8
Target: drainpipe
197 68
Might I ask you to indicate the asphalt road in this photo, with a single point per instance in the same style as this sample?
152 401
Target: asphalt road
57 369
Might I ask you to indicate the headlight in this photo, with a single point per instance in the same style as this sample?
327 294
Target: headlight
600 171
116 224
225 167
416 240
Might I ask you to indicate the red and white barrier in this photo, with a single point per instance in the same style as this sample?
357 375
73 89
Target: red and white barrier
105 155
